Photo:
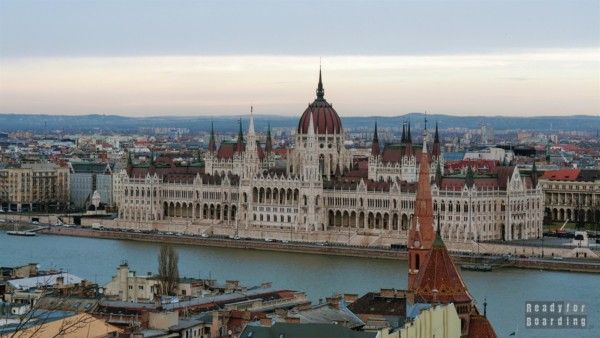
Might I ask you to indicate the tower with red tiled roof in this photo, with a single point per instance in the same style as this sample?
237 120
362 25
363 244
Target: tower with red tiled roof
432 275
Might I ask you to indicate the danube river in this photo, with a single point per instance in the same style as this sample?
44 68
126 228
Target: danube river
319 276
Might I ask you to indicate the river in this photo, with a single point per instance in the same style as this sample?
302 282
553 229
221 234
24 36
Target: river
506 290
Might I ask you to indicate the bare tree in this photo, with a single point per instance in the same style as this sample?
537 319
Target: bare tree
32 323
168 270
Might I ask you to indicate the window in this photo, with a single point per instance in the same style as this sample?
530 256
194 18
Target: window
140 287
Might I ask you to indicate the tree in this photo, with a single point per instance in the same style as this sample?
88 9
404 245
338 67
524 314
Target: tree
33 323
168 270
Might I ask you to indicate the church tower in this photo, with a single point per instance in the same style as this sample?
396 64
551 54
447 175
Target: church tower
421 234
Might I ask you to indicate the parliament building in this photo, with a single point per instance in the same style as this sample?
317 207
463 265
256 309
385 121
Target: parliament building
324 187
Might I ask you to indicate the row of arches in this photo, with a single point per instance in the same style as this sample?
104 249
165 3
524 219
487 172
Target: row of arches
279 196
571 214
205 211
368 220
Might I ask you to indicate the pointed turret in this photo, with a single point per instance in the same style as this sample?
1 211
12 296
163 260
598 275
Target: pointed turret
469 177
375 148
240 141
534 175
320 89
269 141
212 144
311 127
436 151
129 164
251 124
438 174
408 148
403 139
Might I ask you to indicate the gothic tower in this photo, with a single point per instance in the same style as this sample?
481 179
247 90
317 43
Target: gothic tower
421 234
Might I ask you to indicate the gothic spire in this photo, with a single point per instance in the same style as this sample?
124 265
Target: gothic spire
269 142
375 149
251 124
403 132
470 177
408 134
438 174
212 146
437 136
320 90
240 140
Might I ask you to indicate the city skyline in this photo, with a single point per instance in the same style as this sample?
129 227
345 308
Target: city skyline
192 59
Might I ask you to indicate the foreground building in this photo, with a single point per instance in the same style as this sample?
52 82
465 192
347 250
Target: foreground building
324 189
432 275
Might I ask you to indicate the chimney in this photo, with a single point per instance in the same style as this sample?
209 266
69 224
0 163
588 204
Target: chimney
350 297
334 301
281 312
266 322
387 293
292 320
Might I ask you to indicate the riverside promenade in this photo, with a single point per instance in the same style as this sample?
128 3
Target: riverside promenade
499 261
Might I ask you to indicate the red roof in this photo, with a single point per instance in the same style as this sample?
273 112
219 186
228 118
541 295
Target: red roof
325 119
480 327
476 164
561 175
438 280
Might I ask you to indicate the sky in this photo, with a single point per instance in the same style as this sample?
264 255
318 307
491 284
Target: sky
149 58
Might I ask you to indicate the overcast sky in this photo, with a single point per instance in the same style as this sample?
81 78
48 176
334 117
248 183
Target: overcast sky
379 58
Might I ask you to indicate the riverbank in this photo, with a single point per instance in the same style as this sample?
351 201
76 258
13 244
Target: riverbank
568 265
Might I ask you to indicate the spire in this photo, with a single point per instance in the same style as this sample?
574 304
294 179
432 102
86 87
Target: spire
375 149
470 177
438 233
240 140
251 125
311 126
534 175
438 174
403 131
212 145
421 234
408 149
320 90
269 142
436 139
424 204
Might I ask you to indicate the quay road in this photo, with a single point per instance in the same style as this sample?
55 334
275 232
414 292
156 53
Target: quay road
538 263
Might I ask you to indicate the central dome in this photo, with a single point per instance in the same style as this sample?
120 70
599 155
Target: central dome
324 117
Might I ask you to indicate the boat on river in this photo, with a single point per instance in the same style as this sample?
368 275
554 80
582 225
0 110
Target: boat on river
21 233
477 267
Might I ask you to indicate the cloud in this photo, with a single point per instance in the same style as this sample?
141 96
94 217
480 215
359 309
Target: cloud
536 82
